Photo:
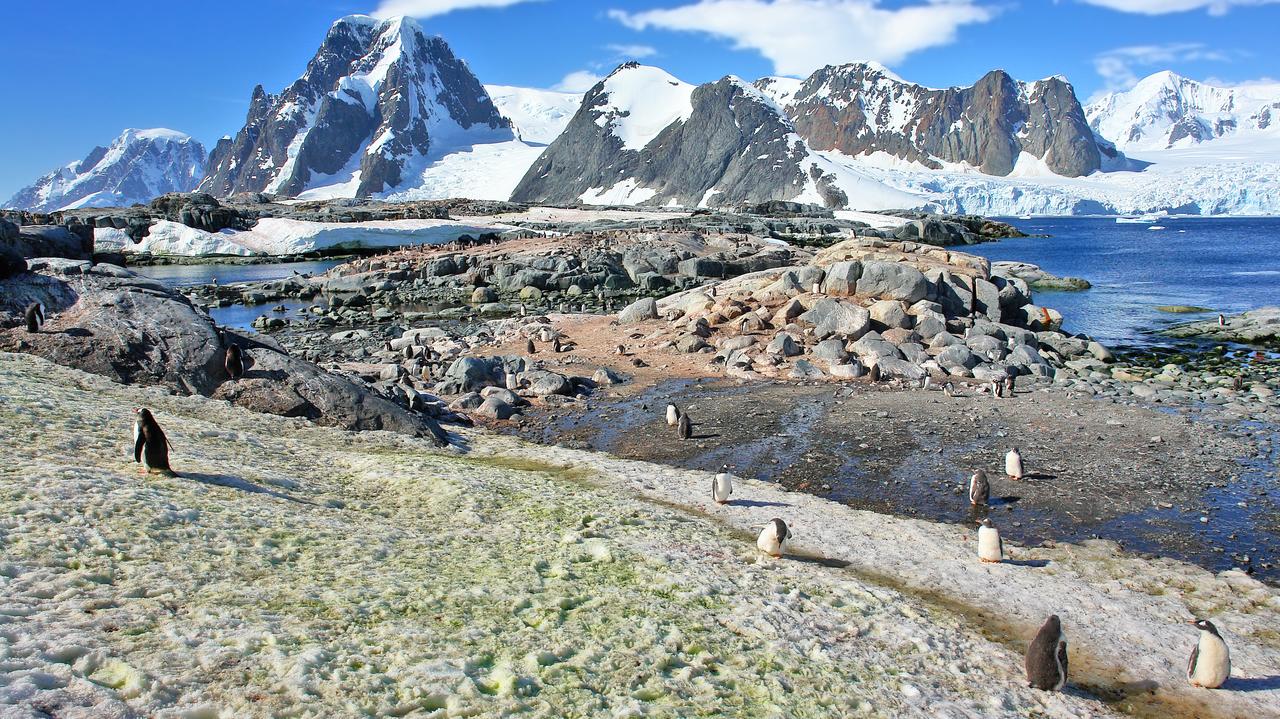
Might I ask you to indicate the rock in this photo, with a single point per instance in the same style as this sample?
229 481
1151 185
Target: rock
504 394
495 408
784 345
989 373
852 370
467 402
957 356
836 318
468 374
929 326
841 279
482 295
606 376
942 340
894 367
740 342
889 314
63 266
688 344
873 346
639 311
46 241
543 383
892 281
831 350
1100 353
805 370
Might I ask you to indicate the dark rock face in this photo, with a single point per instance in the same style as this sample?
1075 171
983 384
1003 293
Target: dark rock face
31 241
133 330
734 145
861 108
373 97
139 165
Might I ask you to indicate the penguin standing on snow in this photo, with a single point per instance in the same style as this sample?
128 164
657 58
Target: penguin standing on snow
1047 657
979 489
234 361
35 317
772 537
673 415
684 427
1210 664
721 486
150 446
990 546
1013 464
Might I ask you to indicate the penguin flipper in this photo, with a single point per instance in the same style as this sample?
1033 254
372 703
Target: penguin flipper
1001 542
139 441
1191 665
1062 659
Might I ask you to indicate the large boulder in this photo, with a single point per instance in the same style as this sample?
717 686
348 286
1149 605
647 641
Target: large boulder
889 314
639 311
133 330
841 279
833 318
892 281
46 241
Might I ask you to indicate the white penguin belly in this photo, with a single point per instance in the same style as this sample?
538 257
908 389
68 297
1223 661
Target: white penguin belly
989 545
1013 465
721 488
1213 664
672 416
769 544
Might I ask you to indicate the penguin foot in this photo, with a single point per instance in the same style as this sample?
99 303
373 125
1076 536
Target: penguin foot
990 561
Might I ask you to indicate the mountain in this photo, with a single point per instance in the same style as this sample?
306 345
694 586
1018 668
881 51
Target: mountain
379 103
136 167
998 125
537 116
642 136
1165 111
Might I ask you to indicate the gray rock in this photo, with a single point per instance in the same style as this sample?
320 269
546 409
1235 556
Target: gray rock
784 345
805 370
543 383
894 367
841 279
957 356
639 311
605 376
892 281
836 318
889 314
688 344
852 370
495 408
482 295
831 350
466 402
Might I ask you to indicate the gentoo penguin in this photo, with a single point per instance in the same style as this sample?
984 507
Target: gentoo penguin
997 388
1210 663
684 428
1047 657
234 361
150 446
1013 464
979 489
817 288
35 317
1237 383
772 537
1008 385
721 487
555 345
523 310
949 389
873 373
1222 320
530 347
673 415
990 546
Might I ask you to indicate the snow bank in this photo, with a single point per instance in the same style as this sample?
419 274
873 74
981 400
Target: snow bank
278 236
171 238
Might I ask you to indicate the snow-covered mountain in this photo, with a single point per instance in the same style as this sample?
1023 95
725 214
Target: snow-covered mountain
1165 111
379 104
537 116
995 125
642 136
137 166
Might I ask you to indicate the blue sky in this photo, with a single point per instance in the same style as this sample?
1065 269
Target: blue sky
77 72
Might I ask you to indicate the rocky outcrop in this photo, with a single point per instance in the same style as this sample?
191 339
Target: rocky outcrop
137 166
108 321
376 99
862 108
1260 326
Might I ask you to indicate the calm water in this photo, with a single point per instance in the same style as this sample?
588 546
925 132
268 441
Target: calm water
187 275
1229 265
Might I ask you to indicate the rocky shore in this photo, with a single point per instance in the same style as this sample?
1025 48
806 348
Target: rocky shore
1256 327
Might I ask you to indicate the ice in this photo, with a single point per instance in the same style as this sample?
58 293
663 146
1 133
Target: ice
642 102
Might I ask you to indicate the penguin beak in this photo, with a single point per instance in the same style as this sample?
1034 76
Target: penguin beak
1192 622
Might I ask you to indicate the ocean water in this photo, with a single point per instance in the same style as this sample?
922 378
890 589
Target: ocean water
187 275
1225 264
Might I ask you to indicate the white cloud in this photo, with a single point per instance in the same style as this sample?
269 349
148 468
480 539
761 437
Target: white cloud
631 52
799 36
1163 7
431 8
577 81
1119 67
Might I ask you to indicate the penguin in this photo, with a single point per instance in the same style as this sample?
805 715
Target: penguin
1013 464
150 446
949 389
772 537
979 489
411 396
530 347
1008 385
1222 320
817 288
684 428
1210 663
997 388
35 317
523 310
673 415
234 361
721 486
873 373
990 546
1237 383
925 382
555 345
1047 657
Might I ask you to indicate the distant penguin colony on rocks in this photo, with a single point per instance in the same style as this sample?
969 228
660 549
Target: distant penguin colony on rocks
772 537
1013 464
150 446
979 489
673 415
1047 657
35 317
1210 664
721 487
684 427
233 361
990 546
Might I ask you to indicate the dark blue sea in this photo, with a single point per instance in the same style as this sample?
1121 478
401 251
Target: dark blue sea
1225 264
